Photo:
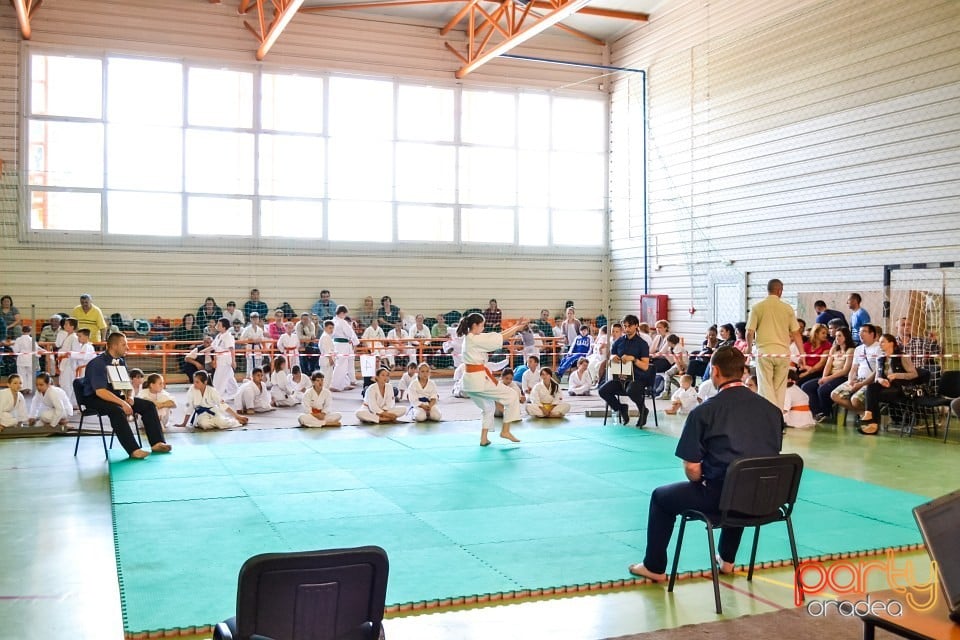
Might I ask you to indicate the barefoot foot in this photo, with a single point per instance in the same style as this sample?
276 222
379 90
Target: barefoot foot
509 436
640 570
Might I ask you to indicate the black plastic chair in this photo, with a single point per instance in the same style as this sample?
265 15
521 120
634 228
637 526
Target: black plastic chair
622 393
949 390
86 411
756 491
337 594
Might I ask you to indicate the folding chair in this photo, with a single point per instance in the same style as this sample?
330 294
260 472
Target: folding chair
756 491
622 393
337 594
86 411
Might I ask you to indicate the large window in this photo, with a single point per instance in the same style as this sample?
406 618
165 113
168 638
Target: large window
127 146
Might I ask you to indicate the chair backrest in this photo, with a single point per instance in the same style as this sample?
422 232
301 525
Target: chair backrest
760 490
336 594
79 395
950 384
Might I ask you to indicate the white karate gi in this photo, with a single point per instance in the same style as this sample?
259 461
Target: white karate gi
454 346
580 385
250 397
599 355
224 380
796 409
68 370
480 385
687 399
530 379
27 363
457 390
395 348
418 394
251 335
706 390
404 383
300 386
13 410
498 412
288 345
51 407
323 402
282 393
374 333
210 400
375 403
163 396
345 341
328 358
541 396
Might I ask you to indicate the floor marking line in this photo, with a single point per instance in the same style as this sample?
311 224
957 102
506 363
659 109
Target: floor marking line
770 603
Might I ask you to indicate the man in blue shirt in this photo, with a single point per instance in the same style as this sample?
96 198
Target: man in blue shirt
98 394
630 347
825 315
859 316
736 423
324 307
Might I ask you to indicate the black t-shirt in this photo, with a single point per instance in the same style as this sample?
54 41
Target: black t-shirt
636 347
95 375
735 423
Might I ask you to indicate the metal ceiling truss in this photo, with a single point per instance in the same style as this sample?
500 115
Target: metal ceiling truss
493 27
25 10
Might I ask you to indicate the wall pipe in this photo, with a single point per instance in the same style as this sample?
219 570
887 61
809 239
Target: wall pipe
643 73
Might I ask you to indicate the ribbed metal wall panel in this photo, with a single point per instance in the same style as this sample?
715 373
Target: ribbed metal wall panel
810 141
171 280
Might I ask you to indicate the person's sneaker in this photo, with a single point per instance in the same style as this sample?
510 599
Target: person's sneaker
821 417
624 415
664 396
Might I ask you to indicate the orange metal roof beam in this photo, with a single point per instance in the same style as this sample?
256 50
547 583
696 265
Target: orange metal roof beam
457 18
549 19
25 9
595 11
373 5
280 22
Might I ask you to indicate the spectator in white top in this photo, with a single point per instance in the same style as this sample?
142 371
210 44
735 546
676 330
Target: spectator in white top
233 314
423 396
50 406
317 405
379 401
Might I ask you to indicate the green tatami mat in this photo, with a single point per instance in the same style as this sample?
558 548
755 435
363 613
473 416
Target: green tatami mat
567 506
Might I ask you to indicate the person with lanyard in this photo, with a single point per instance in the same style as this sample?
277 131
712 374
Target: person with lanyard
479 383
629 348
736 423
100 395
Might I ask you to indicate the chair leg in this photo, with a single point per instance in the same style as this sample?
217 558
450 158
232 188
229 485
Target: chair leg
676 554
946 427
753 552
103 439
606 412
714 569
795 558
653 401
79 431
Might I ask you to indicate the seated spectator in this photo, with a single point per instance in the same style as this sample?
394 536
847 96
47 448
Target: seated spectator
506 379
368 312
580 381
205 409
894 369
186 334
281 392
833 326
707 390
212 328
13 408
252 339
423 396
804 336
236 330
922 351
379 401
233 314
136 381
599 355
325 307
677 357
11 318
154 391
388 314
254 394
208 311
288 344
546 399
683 399
306 333
420 332
835 372
275 328
815 355
579 348
850 395
740 331
318 405
49 331
255 304
409 351
50 405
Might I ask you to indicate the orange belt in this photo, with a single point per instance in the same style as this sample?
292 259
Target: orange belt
800 407
477 368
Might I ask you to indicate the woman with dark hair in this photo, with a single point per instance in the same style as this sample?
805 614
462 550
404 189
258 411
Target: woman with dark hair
11 318
208 311
740 329
479 383
728 335
834 373
894 369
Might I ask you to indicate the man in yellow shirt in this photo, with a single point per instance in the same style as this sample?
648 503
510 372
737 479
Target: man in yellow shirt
772 325
89 316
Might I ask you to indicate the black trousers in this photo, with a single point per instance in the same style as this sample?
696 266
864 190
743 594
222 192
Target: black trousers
666 503
877 394
121 427
612 389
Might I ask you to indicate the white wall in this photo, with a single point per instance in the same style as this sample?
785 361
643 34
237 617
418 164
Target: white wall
807 140
174 277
